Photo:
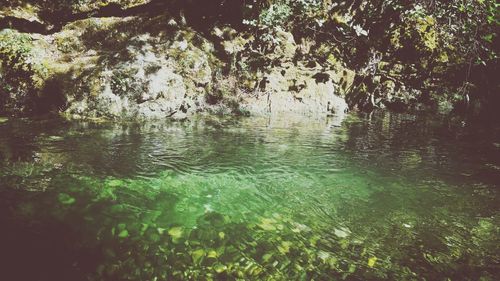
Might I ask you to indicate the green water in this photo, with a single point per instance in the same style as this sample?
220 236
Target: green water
382 197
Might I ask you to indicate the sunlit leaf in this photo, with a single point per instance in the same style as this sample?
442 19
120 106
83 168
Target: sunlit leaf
372 261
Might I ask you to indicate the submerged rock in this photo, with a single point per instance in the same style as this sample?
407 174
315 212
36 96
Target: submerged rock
66 199
176 232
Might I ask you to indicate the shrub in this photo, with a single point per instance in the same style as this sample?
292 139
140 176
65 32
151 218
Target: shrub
22 76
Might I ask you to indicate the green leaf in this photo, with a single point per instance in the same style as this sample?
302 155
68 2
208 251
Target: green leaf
488 37
123 234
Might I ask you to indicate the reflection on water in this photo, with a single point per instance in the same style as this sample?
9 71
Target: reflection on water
384 197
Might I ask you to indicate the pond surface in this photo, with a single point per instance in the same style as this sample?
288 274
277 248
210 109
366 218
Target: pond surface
382 197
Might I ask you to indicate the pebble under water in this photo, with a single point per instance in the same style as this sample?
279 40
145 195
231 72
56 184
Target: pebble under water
382 197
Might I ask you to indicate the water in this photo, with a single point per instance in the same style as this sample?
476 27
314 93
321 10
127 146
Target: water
382 197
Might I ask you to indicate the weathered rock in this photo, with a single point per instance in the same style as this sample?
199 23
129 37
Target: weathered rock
145 86
294 91
232 42
286 45
111 67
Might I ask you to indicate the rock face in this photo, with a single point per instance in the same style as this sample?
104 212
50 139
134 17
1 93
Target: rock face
297 92
144 86
295 88
128 68
147 79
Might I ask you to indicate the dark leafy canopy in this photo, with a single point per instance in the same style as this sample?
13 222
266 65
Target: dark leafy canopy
454 43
